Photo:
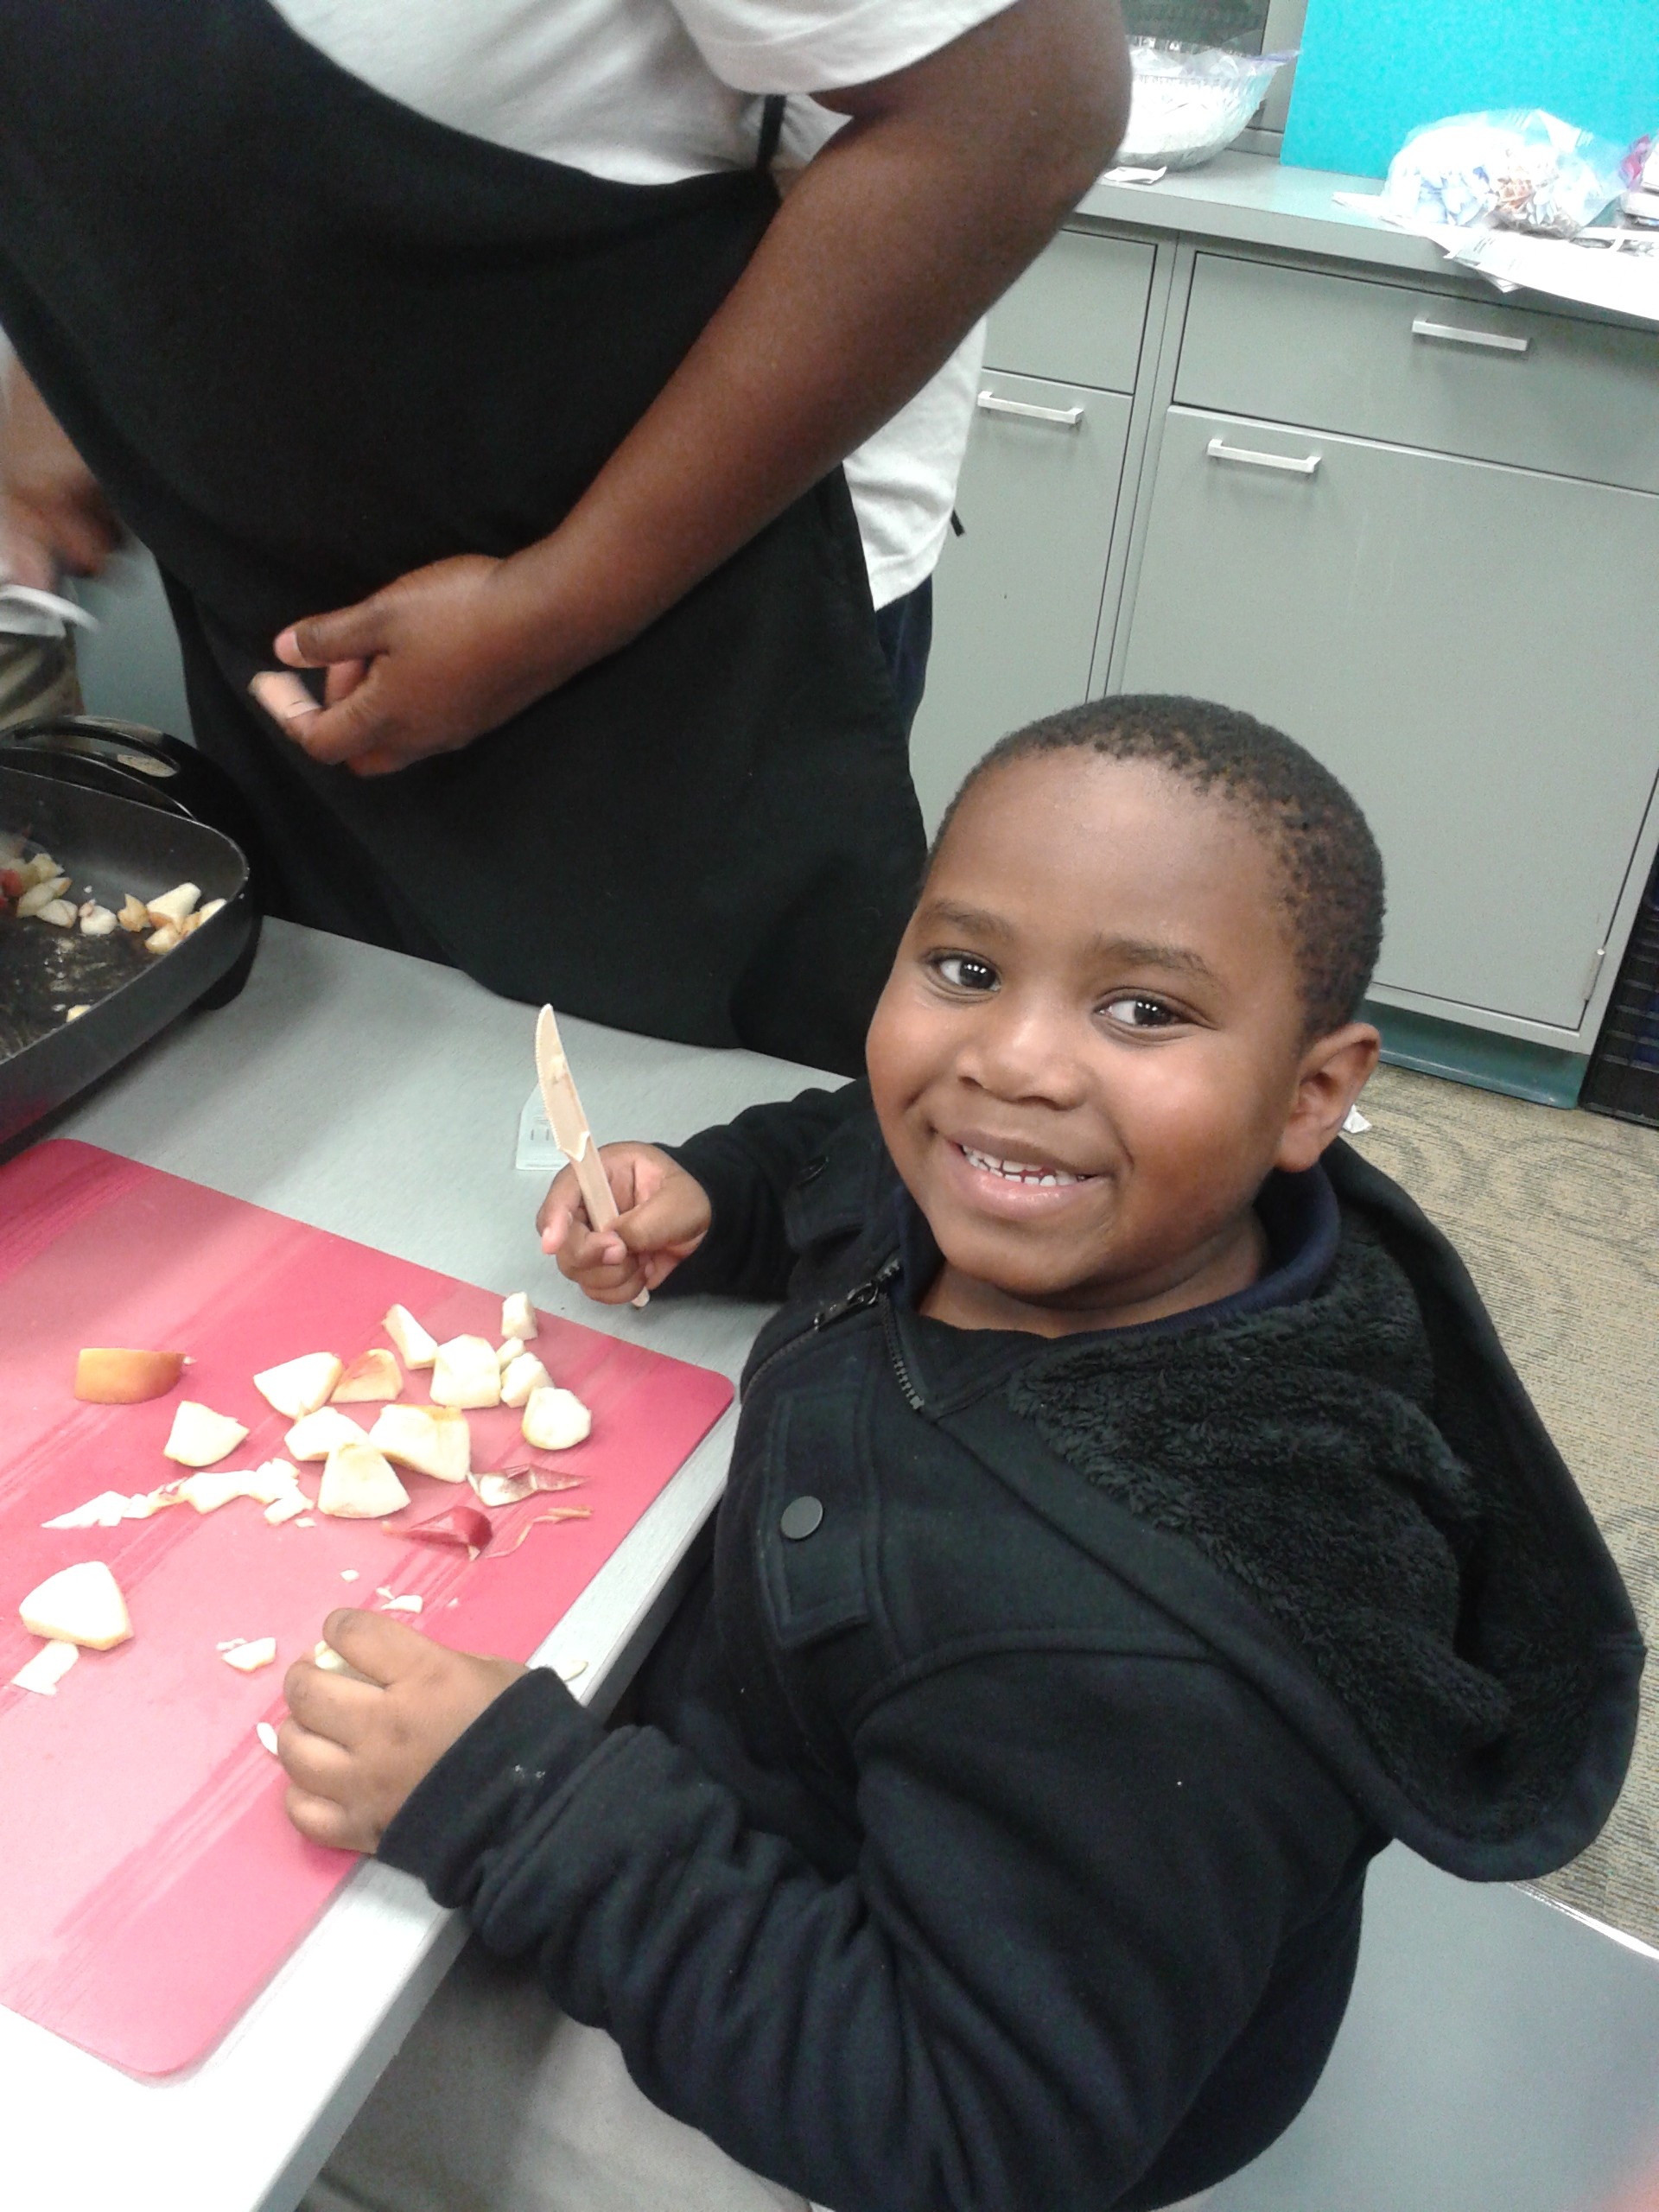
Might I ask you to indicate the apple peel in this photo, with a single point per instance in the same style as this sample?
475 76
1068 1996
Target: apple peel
463 1526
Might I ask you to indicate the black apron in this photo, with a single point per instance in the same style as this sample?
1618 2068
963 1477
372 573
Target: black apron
308 339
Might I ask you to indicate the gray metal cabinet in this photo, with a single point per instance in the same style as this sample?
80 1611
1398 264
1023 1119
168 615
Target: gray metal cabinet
1018 600
1447 636
1018 595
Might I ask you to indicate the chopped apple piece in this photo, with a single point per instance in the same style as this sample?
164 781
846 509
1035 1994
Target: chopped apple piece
507 1350
431 1440
416 1347
169 910
205 913
58 912
162 940
526 1374
96 920
44 892
75 1012
40 869
248 1658
133 914
554 1420
215 1486
288 1507
200 1436
330 1661
267 1736
464 1373
319 1433
374 1377
299 1386
48 1668
519 1316
413 1604
360 1484
80 1605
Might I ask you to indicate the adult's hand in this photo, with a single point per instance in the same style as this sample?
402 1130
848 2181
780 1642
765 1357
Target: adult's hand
421 667
949 177
54 517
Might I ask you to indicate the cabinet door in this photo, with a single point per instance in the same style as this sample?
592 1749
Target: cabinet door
1017 597
1451 638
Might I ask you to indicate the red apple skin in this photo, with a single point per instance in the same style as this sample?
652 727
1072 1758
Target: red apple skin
107 1376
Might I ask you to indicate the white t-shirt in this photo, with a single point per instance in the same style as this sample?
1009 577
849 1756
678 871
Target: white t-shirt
646 92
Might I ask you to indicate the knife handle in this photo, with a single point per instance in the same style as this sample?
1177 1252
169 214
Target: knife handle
597 1196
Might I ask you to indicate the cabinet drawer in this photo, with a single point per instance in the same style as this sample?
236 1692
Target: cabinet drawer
1077 314
1017 598
1385 360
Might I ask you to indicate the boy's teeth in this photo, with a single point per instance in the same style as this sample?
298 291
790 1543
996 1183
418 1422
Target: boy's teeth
1018 1171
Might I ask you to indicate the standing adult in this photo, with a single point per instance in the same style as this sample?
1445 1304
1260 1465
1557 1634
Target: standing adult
469 353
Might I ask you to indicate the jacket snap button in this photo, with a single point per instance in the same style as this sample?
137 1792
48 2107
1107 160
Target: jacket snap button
800 1517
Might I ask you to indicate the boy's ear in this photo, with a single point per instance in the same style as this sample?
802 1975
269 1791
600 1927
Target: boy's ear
1334 1072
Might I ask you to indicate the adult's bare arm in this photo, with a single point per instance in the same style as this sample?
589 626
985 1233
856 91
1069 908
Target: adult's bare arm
948 179
54 517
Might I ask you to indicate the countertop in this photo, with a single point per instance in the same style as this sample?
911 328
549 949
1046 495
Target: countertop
377 1097
1252 200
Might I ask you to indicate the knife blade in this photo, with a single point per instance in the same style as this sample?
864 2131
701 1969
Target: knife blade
569 1126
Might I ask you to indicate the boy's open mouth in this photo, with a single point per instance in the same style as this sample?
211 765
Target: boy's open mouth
1031 1172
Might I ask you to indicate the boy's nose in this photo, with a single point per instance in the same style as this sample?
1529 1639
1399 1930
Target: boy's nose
1024 1049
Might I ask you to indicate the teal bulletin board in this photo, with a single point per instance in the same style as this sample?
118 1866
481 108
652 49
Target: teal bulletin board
1372 70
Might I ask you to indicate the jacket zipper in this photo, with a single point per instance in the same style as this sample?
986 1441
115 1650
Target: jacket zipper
863 1295
896 1355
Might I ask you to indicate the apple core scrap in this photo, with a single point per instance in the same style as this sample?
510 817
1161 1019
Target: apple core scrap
82 1608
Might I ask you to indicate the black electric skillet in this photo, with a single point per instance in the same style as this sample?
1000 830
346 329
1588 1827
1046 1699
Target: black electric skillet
121 809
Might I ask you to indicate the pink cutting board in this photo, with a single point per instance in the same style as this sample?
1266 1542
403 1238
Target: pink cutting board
149 1881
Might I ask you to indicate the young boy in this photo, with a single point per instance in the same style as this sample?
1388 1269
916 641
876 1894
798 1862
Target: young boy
1134 1523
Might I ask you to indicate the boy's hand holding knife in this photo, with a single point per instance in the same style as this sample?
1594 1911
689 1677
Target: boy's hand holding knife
619 1221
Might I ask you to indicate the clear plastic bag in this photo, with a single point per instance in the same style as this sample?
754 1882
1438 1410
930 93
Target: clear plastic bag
1517 168
1187 102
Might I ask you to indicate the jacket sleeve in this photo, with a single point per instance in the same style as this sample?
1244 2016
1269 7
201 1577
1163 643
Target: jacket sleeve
749 1167
1077 1872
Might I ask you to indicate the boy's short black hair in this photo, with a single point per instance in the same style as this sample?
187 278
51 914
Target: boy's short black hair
1329 866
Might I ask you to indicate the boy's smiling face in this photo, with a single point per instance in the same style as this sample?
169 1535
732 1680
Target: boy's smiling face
1091 1052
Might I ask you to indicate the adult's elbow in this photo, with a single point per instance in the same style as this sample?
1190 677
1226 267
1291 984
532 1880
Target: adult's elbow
1071 74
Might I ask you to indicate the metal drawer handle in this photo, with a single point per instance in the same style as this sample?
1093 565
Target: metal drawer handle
1495 341
1067 417
1218 450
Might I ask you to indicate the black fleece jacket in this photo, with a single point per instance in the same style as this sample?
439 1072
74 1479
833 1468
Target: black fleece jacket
999 1842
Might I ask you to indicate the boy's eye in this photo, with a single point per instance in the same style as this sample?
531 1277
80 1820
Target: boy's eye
964 972
1141 1014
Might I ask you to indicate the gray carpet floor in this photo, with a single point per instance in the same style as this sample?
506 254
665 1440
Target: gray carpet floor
1557 1218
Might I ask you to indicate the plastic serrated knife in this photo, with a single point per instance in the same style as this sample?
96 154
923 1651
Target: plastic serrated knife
569 1126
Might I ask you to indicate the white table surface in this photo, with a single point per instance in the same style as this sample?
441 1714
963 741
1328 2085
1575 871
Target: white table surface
377 1097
